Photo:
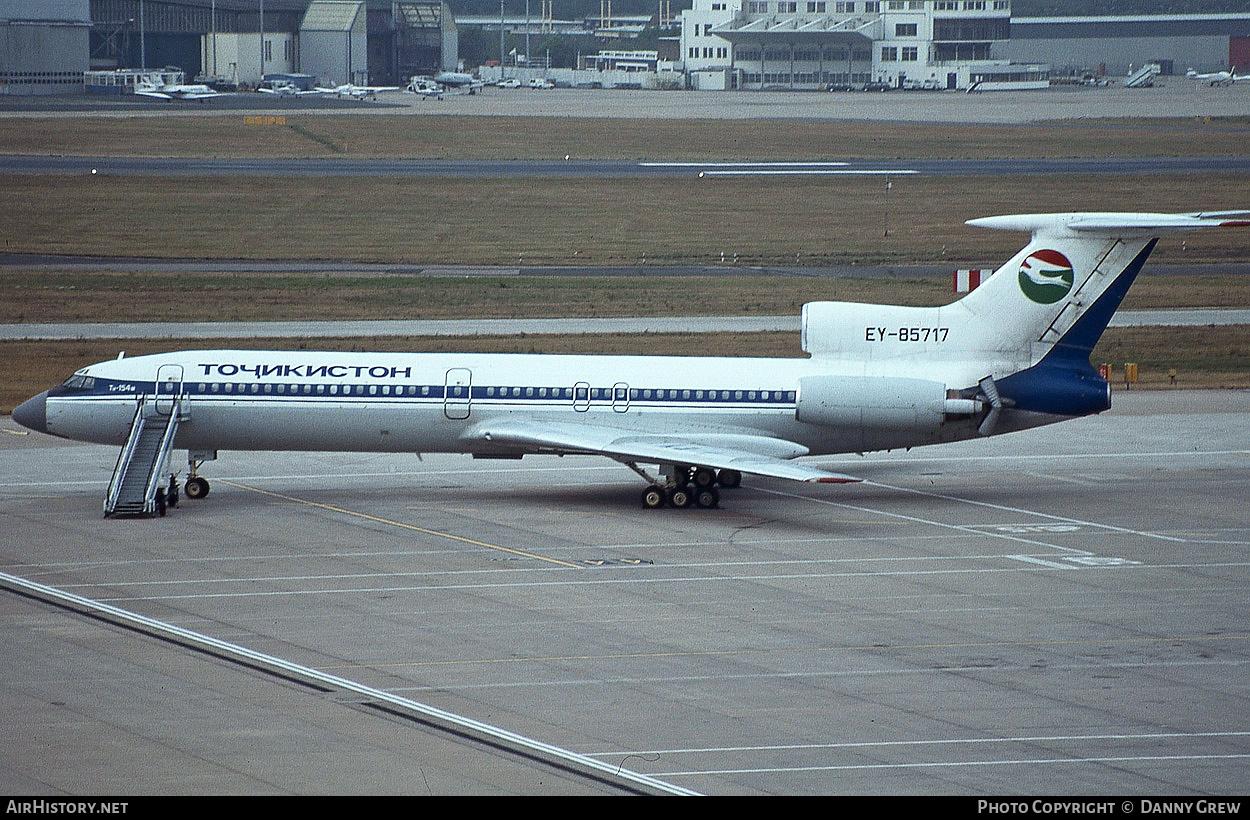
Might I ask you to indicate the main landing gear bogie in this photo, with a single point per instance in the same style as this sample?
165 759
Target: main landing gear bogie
700 489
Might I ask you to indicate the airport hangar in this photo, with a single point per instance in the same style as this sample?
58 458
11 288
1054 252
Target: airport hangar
756 44
222 41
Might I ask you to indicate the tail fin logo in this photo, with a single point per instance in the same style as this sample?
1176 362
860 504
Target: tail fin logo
1046 277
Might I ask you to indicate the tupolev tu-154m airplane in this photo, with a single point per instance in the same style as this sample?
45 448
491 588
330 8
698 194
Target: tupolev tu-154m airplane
1011 355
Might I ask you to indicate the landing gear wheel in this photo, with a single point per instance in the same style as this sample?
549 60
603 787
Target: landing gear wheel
653 497
704 477
196 487
680 497
729 478
706 497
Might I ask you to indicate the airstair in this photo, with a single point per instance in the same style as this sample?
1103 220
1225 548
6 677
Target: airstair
1143 77
140 466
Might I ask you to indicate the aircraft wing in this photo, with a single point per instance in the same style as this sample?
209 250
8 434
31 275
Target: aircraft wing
744 452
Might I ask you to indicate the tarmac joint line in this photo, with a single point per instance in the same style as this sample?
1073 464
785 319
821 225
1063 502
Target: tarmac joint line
413 527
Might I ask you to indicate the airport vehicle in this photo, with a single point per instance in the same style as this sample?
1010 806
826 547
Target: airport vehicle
509 82
1012 354
539 82
1216 78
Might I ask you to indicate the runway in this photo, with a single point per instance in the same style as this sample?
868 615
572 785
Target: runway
607 169
1060 611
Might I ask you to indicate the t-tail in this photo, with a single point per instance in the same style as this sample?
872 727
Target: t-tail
1017 349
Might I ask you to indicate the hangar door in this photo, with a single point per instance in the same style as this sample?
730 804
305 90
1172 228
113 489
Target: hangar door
1239 52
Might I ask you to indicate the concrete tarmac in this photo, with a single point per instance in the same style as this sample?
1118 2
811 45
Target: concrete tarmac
1054 612
1172 97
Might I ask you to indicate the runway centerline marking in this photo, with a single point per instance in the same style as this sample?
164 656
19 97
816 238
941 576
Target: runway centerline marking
402 525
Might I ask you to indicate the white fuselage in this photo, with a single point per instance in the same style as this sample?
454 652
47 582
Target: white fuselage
399 402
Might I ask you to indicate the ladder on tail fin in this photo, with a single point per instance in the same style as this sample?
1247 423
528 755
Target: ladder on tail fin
137 476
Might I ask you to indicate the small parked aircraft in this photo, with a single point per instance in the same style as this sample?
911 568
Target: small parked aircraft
1011 355
175 91
458 79
425 87
1216 78
358 92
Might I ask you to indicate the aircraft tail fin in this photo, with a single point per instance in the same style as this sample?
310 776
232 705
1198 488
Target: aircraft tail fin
1040 315
1023 338
1064 285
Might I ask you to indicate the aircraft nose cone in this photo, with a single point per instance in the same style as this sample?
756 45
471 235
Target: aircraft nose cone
33 413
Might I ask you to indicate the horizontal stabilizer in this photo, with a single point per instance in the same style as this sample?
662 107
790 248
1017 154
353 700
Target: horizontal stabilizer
1119 224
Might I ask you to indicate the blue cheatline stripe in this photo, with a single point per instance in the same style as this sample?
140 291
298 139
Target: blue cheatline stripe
511 394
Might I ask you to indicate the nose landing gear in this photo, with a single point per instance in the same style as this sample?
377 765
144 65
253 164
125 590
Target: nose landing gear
197 486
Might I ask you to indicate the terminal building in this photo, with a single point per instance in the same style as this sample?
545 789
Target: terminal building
816 44
936 44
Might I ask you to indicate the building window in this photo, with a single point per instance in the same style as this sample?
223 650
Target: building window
787 6
889 54
815 6
894 5
844 8
871 7
910 54
904 29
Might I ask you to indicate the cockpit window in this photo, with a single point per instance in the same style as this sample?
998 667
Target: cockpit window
79 382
